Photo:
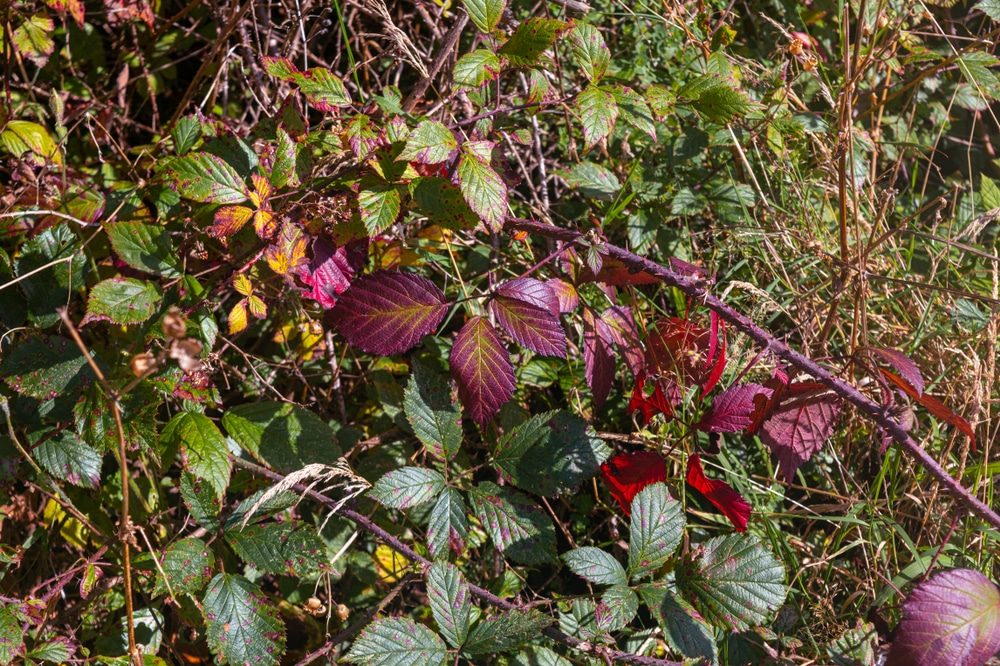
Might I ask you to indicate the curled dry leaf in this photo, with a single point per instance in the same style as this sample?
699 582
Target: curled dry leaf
187 353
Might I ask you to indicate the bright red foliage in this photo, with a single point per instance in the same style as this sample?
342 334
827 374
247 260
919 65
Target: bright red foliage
688 353
652 404
719 493
628 473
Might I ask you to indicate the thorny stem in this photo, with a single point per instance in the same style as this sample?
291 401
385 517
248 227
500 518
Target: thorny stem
693 289
369 526
125 528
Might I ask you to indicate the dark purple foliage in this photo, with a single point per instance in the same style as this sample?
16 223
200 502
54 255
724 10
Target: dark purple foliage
536 328
731 409
800 424
531 291
481 367
623 331
953 618
388 312
903 364
599 363
332 268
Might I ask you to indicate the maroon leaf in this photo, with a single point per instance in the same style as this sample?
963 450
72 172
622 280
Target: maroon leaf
533 327
621 326
933 405
732 409
566 295
764 404
716 352
800 424
531 291
907 369
690 270
721 494
388 312
652 404
332 269
482 369
628 473
599 364
953 618
683 351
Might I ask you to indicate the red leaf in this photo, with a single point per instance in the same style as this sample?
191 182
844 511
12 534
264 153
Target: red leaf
332 269
764 404
933 405
621 326
732 409
599 364
679 349
615 273
482 369
388 312
628 473
904 365
719 493
800 424
533 327
716 352
650 405
531 291
566 295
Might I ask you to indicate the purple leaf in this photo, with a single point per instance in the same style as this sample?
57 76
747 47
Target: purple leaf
388 312
331 270
732 408
907 369
531 291
953 618
621 326
800 424
481 367
566 295
599 363
533 327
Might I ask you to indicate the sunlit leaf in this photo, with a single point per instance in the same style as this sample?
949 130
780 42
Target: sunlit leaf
656 529
481 367
448 596
505 631
598 111
485 14
407 486
430 143
481 185
241 625
123 301
205 177
397 642
448 525
683 628
145 247
595 565
203 448
435 418
719 493
800 424
531 38
592 54
519 528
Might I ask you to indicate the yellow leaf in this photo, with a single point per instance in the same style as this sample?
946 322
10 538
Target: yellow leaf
229 220
242 284
238 317
262 189
390 564
257 307
264 224
288 252
70 529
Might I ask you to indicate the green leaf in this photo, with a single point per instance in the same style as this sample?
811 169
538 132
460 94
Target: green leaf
65 456
435 417
430 143
201 500
519 528
990 7
203 448
33 39
593 180
379 207
123 301
290 548
52 286
185 133
242 626
448 597
989 193
284 436
443 203
505 631
735 582
11 636
661 100
684 630
485 14
30 141
45 367
975 68
592 54
595 565
598 111
551 453
634 110
284 169
95 420
617 608
715 99
482 187
856 647
531 38
448 524
206 178
188 565
539 655
324 90
407 486
145 247
474 70
56 651
657 527
397 641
